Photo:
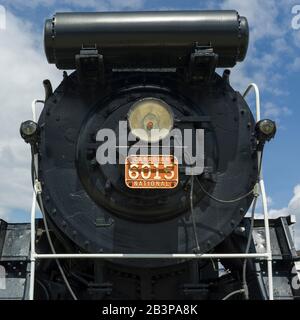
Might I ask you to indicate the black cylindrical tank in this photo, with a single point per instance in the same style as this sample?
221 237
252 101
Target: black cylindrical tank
154 39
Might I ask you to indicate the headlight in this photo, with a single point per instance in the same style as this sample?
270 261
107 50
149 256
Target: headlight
150 119
265 129
29 131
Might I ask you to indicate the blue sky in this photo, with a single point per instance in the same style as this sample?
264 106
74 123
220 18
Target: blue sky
273 62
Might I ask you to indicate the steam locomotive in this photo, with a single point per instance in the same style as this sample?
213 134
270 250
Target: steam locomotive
146 149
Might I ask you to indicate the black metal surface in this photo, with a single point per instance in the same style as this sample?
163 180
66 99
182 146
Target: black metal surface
76 193
14 260
88 206
284 256
161 39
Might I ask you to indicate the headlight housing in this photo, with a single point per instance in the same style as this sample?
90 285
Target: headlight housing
265 129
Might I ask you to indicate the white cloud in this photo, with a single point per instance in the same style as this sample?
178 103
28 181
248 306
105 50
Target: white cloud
295 66
23 68
293 208
270 110
261 16
270 39
259 208
101 5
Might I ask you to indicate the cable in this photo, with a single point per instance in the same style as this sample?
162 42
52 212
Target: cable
192 206
44 288
53 249
233 293
239 198
245 285
224 201
192 215
256 194
40 200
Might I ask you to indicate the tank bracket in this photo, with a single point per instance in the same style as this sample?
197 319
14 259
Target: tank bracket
90 66
202 64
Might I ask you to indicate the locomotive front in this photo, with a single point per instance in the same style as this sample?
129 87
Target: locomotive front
145 148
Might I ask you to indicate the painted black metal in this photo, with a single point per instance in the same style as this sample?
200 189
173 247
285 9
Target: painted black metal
89 208
78 193
14 260
98 279
135 39
286 287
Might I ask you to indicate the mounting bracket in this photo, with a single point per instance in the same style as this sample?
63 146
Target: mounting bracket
90 66
202 64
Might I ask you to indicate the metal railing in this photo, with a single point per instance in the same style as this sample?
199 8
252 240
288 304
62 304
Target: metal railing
267 255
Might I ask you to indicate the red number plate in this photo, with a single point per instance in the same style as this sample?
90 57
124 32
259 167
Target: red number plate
151 172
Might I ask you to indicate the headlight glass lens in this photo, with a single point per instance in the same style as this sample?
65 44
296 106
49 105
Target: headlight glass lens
267 127
28 128
150 119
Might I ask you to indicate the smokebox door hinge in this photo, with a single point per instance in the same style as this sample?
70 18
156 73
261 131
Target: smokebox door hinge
202 64
90 66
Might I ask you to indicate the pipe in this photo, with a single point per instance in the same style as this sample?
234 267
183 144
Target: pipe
151 256
32 248
48 89
264 197
257 98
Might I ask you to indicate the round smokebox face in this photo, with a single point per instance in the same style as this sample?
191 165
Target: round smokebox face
150 119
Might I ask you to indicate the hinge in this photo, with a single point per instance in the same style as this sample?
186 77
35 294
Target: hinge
90 66
202 64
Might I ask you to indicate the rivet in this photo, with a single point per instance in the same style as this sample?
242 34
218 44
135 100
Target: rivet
93 162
